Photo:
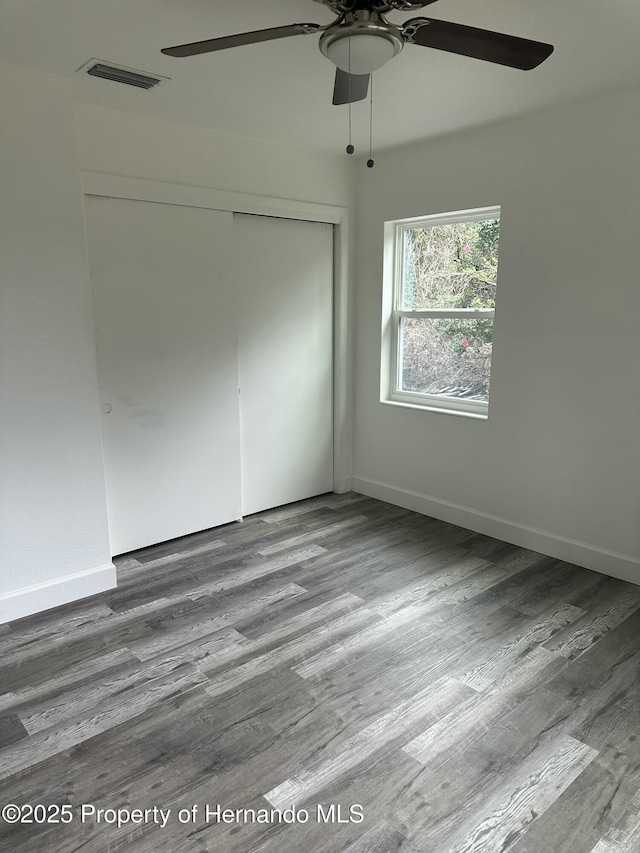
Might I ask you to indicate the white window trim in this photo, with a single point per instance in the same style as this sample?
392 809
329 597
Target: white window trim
390 391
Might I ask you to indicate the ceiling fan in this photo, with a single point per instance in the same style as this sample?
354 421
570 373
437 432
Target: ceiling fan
361 40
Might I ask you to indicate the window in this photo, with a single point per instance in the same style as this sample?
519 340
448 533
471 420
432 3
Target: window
441 289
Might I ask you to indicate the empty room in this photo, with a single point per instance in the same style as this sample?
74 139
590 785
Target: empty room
319 426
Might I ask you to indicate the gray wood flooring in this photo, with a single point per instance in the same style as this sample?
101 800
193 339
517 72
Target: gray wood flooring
335 676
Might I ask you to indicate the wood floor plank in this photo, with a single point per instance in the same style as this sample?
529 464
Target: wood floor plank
457 781
499 553
610 713
507 814
208 575
327 659
129 625
84 699
84 672
228 749
131 568
300 508
360 560
482 708
426 707
187 544
126 628
526 796
609 612
372 784
375 638
258 567
536 633
289 652
410 661
57 659
624 837
326 532
589 809
11 729
452 571
50 741
383 838
156 756
548 581
286 617
605 684
191 630
303 615
30 631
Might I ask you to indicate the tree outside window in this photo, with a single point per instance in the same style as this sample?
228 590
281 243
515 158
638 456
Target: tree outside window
444 296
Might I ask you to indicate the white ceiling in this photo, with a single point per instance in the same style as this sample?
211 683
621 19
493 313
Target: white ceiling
281 90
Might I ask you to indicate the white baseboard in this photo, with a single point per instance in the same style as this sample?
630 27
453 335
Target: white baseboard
622 566
43 596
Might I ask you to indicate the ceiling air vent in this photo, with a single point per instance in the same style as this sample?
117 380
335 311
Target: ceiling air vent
118 74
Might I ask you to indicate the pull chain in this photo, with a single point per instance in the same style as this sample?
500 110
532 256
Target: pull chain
350 147
370 162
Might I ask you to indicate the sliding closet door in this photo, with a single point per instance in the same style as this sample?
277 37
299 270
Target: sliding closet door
283 275
167 366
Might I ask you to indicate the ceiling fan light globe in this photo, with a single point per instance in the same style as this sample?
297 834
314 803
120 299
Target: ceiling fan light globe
361 53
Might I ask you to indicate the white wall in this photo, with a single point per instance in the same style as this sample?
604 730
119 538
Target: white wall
557 465
53 539
121 143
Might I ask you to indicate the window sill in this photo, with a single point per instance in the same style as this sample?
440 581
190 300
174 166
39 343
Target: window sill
441 410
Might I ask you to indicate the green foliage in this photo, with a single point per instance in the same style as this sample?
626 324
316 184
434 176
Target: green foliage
449 267
450 356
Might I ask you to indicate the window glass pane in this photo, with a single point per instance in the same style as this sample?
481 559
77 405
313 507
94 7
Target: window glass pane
448 357
450 266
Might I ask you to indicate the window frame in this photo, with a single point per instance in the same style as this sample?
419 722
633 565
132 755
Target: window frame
393 393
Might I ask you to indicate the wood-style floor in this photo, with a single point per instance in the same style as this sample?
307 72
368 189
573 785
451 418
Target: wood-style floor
407 685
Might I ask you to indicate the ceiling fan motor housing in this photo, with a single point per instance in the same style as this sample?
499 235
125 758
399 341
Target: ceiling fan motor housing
362 42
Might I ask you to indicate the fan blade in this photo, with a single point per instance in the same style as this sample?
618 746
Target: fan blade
479 44
240 39
350 88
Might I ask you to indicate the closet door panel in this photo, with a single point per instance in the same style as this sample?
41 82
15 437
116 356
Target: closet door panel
283 275
167 367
